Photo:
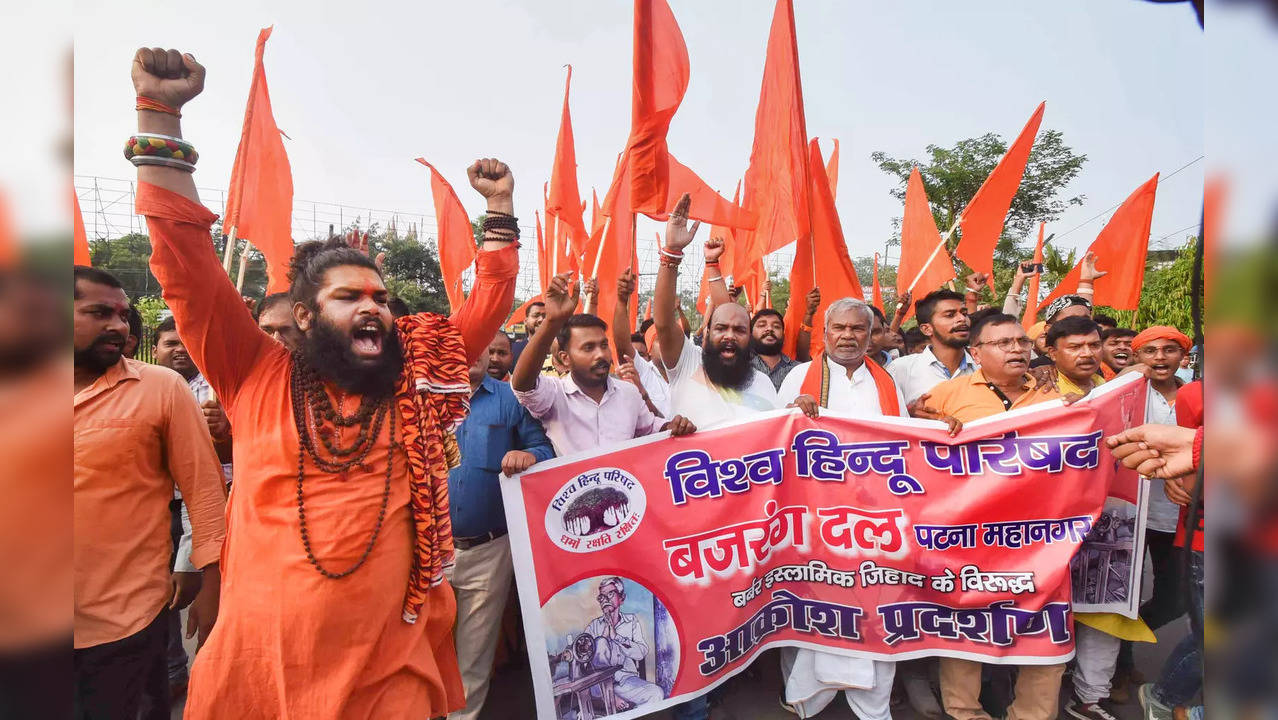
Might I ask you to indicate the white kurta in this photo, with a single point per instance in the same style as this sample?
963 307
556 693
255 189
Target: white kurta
814 678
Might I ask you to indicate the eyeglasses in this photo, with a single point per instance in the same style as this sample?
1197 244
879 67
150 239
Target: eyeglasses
1009 344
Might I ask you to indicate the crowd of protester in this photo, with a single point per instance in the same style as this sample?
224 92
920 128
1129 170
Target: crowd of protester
255 475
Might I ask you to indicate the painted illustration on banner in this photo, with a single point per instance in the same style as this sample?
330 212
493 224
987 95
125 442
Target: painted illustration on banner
611 645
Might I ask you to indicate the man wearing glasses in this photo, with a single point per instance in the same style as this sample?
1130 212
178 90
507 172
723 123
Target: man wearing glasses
1002 349
619 642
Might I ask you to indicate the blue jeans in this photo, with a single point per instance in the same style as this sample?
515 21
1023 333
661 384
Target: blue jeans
1182 675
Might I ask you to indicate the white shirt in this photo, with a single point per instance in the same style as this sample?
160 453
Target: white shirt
656 386
625 647
857 396
574 422
693 396
918 373
1163 513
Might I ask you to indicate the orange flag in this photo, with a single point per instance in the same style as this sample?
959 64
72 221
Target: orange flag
1120 252
456 236
982 220
80 246
706 205
776 184
543 256
1031 300
924 265
877 292
832 171
824 253
559 248
612 249
660 80
596 214
259 204
564 199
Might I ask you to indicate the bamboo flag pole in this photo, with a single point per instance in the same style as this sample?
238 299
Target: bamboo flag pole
554 237
229 252
603 238
944 239
239 279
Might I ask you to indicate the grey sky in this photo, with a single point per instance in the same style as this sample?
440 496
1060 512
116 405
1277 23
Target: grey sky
363 89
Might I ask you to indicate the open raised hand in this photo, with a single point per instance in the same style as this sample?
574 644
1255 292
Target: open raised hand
678 234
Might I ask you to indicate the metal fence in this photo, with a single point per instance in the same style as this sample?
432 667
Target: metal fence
106 205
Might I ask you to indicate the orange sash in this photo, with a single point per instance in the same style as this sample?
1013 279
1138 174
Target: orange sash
817 384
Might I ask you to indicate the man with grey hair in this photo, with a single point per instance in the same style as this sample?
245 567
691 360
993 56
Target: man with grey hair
843 380
619 643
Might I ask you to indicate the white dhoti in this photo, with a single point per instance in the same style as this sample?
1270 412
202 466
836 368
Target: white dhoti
813 679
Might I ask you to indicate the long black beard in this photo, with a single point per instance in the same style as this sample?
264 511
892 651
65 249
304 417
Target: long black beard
735 375
328 351
758 347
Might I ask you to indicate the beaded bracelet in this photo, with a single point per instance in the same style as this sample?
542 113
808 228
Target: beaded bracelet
145 149
146 103
501 222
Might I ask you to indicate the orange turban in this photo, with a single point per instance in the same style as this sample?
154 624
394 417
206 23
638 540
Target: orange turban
1161 332
1036 330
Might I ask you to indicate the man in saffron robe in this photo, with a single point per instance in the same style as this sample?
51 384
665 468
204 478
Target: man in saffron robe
334 604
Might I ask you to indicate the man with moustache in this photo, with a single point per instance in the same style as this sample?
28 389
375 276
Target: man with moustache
534 316
138 432
588 408
843 379
1001 383
334 601
275 318
497 436
942 317
500 357
715 383
1116 351
1074 345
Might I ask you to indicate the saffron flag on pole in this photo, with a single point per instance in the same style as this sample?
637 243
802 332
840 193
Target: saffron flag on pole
259 203
564 199
543 256
981 221
706 205
832 170
823 254
1120 253
521 312
80 247
660 81
776 183
1031 299
925 265
456 236
612 249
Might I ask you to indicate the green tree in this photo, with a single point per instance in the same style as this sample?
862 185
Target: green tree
411 268
952 175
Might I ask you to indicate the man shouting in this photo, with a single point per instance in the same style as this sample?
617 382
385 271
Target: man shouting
334 602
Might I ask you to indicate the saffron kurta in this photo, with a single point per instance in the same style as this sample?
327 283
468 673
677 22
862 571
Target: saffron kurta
290 643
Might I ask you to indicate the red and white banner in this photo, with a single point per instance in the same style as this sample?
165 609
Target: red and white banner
649 574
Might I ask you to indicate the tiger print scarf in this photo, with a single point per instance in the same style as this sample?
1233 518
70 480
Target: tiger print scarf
433 397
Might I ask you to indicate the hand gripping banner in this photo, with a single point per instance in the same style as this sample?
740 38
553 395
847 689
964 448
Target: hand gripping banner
653 572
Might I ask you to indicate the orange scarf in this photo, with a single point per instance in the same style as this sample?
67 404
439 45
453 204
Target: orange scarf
817 384
432 397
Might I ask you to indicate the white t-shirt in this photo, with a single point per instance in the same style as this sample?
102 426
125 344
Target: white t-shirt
857 396
656 386
693 396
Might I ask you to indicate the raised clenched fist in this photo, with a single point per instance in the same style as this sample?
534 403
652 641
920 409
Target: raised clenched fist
168 76
491 178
